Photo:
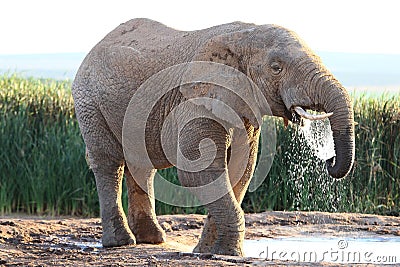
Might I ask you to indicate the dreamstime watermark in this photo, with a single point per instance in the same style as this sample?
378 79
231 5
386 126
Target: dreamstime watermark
341 252
209 91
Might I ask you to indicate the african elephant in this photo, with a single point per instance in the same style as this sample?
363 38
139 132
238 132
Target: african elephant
290 76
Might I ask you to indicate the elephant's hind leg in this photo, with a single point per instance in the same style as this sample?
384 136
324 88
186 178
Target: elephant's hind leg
141 207
116 231
106 159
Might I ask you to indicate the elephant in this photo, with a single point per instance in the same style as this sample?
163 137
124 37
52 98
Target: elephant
291 78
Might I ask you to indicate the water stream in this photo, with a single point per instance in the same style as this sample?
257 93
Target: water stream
307 178
319 137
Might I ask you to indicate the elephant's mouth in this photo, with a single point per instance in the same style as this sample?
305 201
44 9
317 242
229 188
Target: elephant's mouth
292 117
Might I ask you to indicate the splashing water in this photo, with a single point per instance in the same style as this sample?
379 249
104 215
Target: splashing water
318 135
311 186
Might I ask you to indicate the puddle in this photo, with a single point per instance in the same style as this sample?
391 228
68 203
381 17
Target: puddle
86 245
68 243
377 250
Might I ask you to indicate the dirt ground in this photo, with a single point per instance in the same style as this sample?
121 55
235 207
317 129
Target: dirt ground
29 241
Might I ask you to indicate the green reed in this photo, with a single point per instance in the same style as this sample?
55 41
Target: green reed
43 168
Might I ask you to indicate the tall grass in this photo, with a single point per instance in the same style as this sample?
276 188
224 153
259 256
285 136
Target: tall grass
376 179
43 168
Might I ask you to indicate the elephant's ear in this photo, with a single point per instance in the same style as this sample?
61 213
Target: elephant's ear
219 74
226 49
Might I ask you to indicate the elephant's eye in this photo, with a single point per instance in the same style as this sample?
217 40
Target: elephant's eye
276 68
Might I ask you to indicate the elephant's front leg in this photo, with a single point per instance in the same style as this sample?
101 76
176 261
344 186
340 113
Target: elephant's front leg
212 184
227 214
240 186
141 206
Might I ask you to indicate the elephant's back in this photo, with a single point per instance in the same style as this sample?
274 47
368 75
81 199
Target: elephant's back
144 47
154 39
141 34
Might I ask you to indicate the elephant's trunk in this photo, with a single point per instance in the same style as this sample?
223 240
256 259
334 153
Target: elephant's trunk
325 93
339 103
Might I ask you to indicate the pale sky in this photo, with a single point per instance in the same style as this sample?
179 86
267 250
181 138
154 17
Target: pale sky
51 26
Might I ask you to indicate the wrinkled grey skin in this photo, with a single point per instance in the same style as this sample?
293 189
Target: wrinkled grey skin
286 71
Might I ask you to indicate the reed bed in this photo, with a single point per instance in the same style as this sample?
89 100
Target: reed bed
43 168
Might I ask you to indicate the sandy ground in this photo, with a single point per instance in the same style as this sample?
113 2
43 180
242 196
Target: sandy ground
29 241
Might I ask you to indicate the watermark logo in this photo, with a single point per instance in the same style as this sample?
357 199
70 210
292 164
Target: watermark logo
325 250
342 244
207 90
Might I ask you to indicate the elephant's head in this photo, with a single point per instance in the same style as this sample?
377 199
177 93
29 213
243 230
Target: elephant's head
292 80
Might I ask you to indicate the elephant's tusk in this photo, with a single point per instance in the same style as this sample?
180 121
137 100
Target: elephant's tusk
312 117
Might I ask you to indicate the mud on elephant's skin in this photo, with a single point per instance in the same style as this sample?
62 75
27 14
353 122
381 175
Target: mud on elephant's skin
291 78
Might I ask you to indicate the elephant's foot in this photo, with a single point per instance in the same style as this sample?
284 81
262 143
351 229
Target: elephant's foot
234 248
231 244
229 240
203 246
208 237
148 231
120 236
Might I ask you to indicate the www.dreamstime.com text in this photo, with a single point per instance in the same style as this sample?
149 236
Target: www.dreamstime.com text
339 254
